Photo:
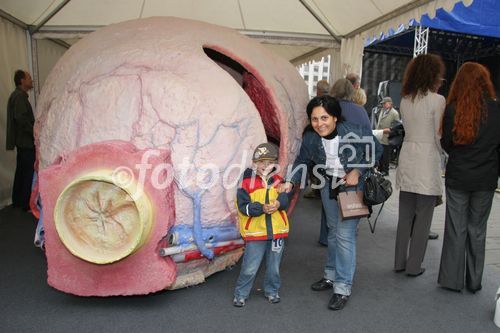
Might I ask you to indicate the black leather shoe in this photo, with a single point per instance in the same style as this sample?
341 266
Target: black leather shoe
474 290
323 284
422 270
433 235
451 289
337 302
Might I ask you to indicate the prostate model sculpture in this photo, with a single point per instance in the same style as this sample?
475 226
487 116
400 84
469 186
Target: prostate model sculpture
143 129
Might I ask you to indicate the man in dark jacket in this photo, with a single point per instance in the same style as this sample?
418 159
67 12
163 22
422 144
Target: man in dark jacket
20 121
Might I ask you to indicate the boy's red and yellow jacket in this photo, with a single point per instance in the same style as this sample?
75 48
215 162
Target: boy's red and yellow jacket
254 192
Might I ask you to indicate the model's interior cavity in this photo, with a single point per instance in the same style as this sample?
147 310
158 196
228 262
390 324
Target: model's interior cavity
253 88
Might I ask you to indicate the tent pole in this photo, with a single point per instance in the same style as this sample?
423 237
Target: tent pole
60 42
48 17
33 65
303 57
14 20
313 13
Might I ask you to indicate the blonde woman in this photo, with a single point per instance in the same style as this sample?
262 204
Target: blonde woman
359 97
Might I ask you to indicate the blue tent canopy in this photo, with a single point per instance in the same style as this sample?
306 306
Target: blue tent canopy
464 34
481 18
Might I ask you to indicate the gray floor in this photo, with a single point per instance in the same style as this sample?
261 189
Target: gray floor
382 301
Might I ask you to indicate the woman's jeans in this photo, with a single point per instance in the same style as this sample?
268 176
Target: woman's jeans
341 259
254 252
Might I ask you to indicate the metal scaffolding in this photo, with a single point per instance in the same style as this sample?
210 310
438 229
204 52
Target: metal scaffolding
421 41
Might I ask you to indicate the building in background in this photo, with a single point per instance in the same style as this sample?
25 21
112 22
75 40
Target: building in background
314 71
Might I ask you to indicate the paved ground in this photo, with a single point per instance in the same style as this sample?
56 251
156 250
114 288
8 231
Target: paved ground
382 301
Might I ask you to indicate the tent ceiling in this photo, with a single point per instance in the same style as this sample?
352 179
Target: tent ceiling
290 20
290 52
265 15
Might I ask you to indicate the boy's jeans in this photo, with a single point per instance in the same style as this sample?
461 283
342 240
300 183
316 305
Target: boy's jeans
254 252
341 259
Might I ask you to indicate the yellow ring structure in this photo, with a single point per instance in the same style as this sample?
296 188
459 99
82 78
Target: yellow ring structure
100 221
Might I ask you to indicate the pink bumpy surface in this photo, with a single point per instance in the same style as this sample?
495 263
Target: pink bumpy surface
149 84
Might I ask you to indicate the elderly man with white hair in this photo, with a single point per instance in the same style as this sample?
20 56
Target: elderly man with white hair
387 116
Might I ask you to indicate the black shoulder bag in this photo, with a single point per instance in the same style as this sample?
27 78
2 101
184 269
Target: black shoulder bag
377 191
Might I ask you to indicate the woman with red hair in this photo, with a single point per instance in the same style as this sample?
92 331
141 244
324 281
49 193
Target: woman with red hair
470 137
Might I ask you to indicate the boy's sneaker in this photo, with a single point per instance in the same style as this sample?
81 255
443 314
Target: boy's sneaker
239 302
273 299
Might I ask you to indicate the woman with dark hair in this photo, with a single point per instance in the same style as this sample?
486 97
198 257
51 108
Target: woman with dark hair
340 161
418 176
470 137
343 91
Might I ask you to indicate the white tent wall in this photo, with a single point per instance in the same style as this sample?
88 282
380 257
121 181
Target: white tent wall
48 53
351 56
13 56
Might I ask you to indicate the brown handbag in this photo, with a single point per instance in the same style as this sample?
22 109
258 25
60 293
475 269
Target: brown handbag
351 205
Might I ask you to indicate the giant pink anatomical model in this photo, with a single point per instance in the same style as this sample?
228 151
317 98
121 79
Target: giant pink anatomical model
141 127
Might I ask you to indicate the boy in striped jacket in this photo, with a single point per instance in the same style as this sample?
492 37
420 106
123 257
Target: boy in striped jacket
263 224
